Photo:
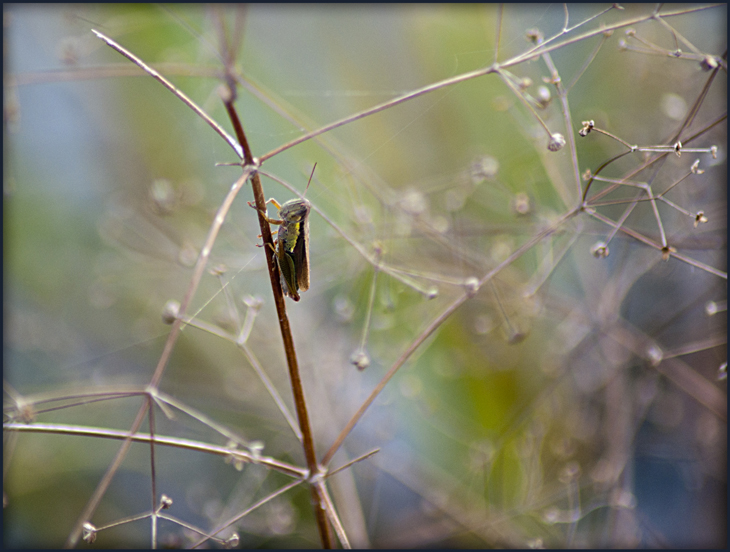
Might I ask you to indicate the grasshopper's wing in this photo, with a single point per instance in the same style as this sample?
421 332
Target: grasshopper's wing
287 273
301 257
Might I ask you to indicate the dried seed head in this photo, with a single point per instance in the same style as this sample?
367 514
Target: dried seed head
232 541
554 78
253 303
471 284
170 311
360 359
25 411
534 36
255 448
655 355
587 127
89 533
667 251
709 63
234 459
556 142
600 250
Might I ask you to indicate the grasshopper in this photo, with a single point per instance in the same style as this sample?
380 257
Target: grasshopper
292 243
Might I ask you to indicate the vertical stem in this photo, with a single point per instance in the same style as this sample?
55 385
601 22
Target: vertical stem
291 356
153 473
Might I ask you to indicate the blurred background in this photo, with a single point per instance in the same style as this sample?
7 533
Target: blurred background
573 400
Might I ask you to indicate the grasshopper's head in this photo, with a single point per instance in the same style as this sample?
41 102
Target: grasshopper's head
295 210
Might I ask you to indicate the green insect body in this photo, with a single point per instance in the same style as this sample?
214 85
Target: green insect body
292 243
292 250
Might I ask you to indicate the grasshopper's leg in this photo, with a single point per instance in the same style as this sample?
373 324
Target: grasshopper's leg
271 246
266 217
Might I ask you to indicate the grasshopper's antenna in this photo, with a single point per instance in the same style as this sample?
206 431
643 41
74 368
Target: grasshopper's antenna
310 178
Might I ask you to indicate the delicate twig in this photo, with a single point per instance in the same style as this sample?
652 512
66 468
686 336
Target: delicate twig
567 117
588 61
255 364
286 335
177 325
351 462
647 241
432 327
153 471
689 119
248 510
498 38
549 265
332 514
710 125
85 431
190 103
164 399
378 108
112 70
676 34
370 258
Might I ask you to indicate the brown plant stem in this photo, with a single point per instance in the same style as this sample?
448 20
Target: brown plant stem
286 335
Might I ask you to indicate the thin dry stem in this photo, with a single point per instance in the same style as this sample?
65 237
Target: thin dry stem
190 103
286 335
431 328
247 511
115 434
177 325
